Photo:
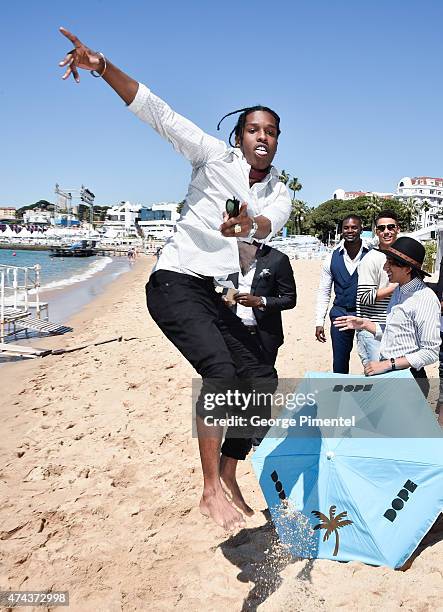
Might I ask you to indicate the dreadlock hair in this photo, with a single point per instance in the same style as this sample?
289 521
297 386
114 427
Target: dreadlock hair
240 125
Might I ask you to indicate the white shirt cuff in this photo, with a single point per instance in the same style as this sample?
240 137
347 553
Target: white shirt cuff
140 97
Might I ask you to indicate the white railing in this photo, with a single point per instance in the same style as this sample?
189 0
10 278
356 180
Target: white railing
16 285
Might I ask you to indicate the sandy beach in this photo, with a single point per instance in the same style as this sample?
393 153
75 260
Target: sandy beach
100 480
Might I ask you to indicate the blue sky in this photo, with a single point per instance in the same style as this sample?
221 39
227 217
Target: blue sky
358 86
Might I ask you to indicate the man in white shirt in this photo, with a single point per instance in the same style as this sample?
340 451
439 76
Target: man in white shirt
374 289
340 270
181 295
411 338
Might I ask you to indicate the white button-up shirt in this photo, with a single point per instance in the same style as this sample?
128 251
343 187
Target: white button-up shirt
219 172
326 279
412 325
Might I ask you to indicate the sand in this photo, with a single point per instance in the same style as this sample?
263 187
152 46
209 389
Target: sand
100 481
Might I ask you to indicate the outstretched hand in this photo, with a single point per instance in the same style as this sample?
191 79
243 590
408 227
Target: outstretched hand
80 57
242 219
349 322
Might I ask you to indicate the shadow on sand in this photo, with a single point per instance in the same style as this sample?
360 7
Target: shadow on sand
258 554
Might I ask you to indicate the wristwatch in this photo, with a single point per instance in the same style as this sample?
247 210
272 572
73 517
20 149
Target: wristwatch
392 363
254 228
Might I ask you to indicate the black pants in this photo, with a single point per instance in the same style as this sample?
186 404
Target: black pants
238 448
209 335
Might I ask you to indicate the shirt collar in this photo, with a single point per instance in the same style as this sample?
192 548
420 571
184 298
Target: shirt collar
411 286
273 172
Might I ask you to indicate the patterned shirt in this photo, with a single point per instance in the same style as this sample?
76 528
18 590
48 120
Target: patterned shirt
371 277
219 172
412 325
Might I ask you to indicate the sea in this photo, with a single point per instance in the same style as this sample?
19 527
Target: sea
67 284
56 272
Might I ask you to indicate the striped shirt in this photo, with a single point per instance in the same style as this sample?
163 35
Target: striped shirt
372 277
412 325
219 172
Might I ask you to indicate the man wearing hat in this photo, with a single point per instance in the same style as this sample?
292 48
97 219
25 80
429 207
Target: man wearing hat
411 338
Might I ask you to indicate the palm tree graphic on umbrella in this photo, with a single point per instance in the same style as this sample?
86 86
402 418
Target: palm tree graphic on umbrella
332 524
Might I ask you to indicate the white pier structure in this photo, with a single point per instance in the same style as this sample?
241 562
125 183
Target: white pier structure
20 306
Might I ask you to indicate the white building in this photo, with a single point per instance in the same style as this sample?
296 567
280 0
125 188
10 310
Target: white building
121 220
341 194
7 212
427 192
158 220
37 215
128 220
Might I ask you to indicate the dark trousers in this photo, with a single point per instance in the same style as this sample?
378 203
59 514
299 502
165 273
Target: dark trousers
209 335
238 448
342 343
422 380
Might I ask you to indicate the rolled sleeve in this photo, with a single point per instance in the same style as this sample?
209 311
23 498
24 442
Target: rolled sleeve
365 296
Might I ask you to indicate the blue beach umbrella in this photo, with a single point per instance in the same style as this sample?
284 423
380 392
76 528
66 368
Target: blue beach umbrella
356 473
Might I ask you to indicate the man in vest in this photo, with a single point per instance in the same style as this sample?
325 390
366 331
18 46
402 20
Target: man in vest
340 270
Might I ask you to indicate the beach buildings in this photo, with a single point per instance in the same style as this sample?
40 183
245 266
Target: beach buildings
427 193
155 221
341 194
121 220
7 213
158 220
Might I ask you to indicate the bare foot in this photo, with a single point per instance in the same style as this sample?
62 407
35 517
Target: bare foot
214 505
228 467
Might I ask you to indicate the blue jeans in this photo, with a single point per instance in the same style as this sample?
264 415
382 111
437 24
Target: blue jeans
368 347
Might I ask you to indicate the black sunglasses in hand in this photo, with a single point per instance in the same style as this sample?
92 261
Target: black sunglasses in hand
233 207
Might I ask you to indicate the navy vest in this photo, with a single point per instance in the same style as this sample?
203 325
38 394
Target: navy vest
345 285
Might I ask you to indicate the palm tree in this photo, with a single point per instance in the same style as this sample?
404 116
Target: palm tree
374 207
298 208
410 209
331 524
295 186
425 209
284 177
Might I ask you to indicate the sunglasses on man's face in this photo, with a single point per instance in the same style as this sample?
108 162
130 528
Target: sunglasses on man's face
390 226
